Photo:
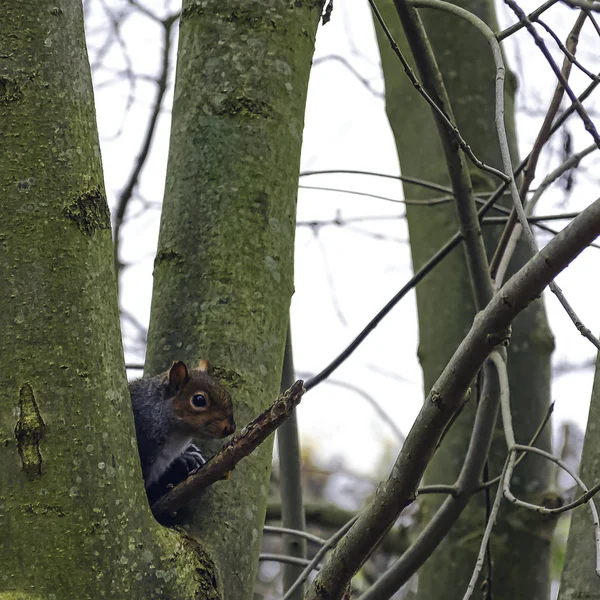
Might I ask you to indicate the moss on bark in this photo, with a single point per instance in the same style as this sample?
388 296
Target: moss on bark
223 274
74 520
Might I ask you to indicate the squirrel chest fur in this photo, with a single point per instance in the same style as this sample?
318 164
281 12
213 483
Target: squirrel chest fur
171 410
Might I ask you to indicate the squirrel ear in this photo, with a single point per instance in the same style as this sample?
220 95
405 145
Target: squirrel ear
178 375
203 365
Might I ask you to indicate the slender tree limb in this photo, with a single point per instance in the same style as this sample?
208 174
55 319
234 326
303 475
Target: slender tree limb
436 187
330 516
286 560
506 256
438 526
521 457
568 54
502 35
161 89
541 139
290 461
331 543
438 108
383 415
315 539
342 60
485 541
240 446
587 122
490 328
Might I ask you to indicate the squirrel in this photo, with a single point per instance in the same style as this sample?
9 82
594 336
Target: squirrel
170 410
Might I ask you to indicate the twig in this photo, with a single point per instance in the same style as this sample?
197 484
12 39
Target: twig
541 139
242 444
436 187
569 55
285 558
533 15
521 457
587 122
127 192
332 517
336 57
374 404
331 543
295 532
438 111
486 540
506 256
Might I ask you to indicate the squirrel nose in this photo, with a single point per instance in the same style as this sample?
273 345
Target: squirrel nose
229 429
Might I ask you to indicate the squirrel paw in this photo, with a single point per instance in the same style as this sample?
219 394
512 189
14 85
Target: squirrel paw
192 458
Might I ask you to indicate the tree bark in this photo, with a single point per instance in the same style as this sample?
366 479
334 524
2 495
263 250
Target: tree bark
223 274
521 547
74 521
579 578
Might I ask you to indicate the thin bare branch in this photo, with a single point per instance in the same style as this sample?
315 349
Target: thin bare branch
127 192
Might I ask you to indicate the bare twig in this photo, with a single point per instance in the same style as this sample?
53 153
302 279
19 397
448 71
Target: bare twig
587 122
374 404
315 539
436 187
506 256
486 540
286 559
541 139
331 543
437 109
533 16
336 57
127 192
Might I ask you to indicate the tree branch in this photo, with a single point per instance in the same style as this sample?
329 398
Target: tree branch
240 446
489 329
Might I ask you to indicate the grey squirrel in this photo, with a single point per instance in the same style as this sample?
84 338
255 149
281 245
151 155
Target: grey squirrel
172 409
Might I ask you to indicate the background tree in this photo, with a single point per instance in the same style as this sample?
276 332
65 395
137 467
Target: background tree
423 156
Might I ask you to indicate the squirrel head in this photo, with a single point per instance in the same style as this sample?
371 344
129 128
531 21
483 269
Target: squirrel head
201 404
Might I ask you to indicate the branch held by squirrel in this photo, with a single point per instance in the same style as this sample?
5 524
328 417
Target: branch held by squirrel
240 446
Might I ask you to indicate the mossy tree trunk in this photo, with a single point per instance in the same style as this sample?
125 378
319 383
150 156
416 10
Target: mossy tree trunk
520 547
74 521
579 578
223 274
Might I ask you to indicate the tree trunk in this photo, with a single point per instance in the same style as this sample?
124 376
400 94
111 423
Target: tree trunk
223 274
74 521
579 578
520 548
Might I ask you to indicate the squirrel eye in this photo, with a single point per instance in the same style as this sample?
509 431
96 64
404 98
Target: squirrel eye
199 400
